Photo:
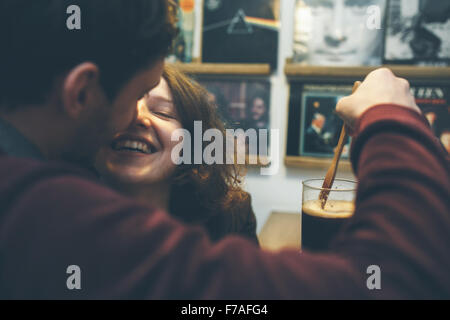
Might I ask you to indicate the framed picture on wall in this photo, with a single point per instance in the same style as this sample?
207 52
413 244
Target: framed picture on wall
183 45
313 126
418 32
434 101
339 32
242 104
237 31
320 125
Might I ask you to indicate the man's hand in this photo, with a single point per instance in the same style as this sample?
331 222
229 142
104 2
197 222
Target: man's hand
380 87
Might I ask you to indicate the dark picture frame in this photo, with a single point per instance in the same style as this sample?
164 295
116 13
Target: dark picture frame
434 101
432 96
313 125
242 103
236 31
320 125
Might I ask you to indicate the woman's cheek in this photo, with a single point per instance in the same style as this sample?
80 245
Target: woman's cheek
167 138
171 166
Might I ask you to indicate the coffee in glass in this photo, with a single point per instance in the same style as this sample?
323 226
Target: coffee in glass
321 225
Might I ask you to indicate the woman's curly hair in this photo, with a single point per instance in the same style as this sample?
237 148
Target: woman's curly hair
200 190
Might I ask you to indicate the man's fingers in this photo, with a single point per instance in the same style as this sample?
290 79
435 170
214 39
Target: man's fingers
340 106
343 109
404 83
356 86
380 86
381 72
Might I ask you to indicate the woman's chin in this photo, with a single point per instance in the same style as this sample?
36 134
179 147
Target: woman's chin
127 174
132 157
127 178
127 168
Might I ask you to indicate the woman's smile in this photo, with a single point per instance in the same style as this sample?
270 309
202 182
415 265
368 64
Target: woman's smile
135 145
142 153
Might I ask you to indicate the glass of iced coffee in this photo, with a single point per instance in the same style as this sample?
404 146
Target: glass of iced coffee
321 225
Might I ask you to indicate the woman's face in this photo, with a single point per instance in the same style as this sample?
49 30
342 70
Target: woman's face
142 153
258 109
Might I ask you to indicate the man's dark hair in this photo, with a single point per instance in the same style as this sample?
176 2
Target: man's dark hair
121 36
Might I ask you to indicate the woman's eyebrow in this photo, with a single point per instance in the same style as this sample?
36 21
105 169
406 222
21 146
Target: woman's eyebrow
161 98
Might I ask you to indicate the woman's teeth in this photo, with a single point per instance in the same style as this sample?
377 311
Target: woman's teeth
130 145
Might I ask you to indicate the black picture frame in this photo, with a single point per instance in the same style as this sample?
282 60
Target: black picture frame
307 99
236 31
432 96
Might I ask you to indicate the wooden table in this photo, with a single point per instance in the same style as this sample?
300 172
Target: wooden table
282 230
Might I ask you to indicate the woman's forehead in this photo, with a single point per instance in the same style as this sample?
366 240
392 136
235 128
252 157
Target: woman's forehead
162 92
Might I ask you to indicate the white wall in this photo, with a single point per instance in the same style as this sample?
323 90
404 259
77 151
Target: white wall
280 192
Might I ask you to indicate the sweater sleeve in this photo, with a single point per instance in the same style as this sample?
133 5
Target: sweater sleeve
127 250
402 212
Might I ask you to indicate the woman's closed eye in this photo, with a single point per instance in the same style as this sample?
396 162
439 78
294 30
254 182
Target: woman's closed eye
164 114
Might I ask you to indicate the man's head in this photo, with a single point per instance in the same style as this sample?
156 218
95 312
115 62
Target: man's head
86 82
318 120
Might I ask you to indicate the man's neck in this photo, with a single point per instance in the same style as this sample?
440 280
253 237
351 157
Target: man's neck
39 129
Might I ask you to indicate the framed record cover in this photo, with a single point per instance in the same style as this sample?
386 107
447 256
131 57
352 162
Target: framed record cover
418 32
339 32
183 45
314 127
237 31
241 103
434 101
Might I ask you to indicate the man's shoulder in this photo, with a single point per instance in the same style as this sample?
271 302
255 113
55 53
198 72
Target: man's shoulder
42 179
311 131
13 168
32 190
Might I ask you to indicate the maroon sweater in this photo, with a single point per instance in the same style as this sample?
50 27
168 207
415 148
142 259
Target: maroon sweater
53 216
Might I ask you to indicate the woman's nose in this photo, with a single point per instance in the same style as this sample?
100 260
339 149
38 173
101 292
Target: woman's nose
143 115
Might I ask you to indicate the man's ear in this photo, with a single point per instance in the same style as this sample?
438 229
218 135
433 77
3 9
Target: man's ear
79 88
